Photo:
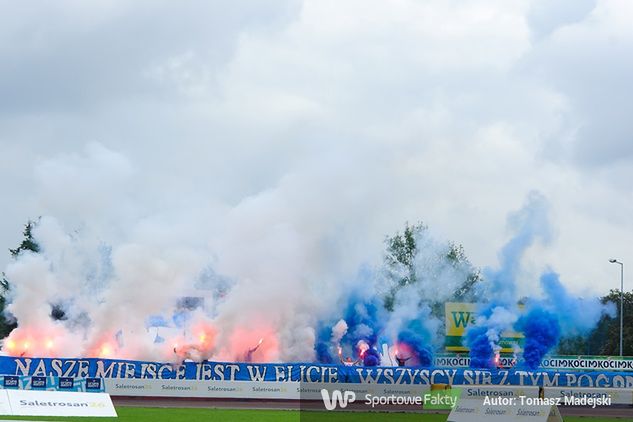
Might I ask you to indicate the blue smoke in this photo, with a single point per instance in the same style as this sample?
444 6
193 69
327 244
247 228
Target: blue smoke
530 224
323 345
542 332
418 345
559 312
371 357
364 314
365 320
577 316
481 352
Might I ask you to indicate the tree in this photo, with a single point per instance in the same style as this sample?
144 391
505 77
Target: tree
28 244
573 345
604 339
466 292
6 326
401 250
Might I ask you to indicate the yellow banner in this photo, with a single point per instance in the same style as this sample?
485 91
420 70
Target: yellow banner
459 316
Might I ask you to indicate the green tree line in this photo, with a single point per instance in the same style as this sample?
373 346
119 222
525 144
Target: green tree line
28 244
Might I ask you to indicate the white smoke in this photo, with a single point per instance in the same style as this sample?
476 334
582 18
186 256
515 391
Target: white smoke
265 267
268 267
338 331
500 320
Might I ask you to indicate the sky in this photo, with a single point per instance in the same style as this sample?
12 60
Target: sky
312 129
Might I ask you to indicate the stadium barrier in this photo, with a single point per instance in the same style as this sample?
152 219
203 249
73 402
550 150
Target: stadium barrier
55 403
263 390
616 395
480 391
290 390
477 410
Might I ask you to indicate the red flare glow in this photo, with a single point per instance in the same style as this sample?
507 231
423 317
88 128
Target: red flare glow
362 348
203 338
105 350
242 341
497 360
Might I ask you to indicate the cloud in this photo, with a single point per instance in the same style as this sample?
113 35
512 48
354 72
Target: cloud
329 123
586 61
68 56
546 17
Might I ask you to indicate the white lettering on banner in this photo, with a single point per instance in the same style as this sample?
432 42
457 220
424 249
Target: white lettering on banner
480 410
595 372
555 362
58 403
588 364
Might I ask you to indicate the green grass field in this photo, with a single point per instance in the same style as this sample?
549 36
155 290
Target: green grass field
140 414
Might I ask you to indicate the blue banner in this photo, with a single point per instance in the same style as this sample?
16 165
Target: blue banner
304 372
